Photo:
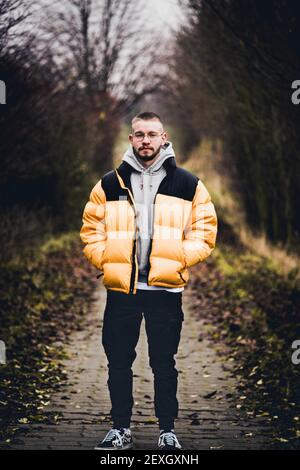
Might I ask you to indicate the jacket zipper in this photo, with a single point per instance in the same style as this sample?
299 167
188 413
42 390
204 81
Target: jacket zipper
132 278
151 239
133 258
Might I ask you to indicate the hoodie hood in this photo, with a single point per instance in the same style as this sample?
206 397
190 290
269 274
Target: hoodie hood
165 152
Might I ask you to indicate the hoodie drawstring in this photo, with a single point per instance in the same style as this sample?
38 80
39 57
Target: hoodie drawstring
150 179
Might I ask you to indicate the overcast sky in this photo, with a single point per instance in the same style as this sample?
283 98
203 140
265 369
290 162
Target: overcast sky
167 12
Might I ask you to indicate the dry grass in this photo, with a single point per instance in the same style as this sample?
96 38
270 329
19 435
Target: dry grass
205 161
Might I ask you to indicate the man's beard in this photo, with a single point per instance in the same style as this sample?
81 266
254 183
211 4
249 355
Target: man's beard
146 158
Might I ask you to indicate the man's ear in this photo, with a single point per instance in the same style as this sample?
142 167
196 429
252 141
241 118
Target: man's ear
130 137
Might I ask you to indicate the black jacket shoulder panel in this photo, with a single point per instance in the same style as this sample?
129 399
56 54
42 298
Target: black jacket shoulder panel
111 187
180 183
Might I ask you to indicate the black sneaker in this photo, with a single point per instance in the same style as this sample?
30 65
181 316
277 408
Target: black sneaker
168 440
116 439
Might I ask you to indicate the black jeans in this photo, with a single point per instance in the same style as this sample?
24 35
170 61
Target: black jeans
121 329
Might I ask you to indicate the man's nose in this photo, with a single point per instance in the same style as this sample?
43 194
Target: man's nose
146 137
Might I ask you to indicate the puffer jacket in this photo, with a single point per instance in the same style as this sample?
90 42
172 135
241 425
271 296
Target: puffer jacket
184 228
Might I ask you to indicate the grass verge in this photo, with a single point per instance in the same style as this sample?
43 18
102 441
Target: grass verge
43 299
253 310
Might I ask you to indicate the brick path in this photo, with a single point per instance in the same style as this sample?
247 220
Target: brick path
208 417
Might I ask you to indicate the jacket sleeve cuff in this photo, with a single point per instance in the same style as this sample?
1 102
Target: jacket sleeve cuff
195 251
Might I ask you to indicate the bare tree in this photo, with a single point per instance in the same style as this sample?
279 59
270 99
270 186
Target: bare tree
107 48
109 51
12 14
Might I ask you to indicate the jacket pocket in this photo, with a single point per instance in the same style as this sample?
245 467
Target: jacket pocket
180 274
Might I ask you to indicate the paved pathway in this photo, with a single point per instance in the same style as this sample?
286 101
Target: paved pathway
208 416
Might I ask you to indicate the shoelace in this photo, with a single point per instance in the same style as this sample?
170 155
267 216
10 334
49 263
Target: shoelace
114 433
169 437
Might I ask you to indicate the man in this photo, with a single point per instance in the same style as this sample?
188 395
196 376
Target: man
145 224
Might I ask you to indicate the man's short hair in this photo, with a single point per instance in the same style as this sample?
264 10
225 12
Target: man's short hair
146 116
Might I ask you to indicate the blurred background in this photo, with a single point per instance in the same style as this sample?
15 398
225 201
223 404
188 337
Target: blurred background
220 74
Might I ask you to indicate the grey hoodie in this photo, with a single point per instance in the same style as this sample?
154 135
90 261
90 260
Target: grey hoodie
145 183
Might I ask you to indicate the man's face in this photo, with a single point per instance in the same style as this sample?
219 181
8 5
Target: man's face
147 138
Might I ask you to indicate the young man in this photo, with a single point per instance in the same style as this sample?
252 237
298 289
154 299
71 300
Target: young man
145 224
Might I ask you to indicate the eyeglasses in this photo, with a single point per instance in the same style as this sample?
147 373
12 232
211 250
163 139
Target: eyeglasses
139 136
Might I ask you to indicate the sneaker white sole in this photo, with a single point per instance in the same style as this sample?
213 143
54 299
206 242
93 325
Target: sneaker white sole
125 447
166 449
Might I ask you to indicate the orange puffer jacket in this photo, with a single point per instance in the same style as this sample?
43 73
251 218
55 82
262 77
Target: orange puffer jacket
184 228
